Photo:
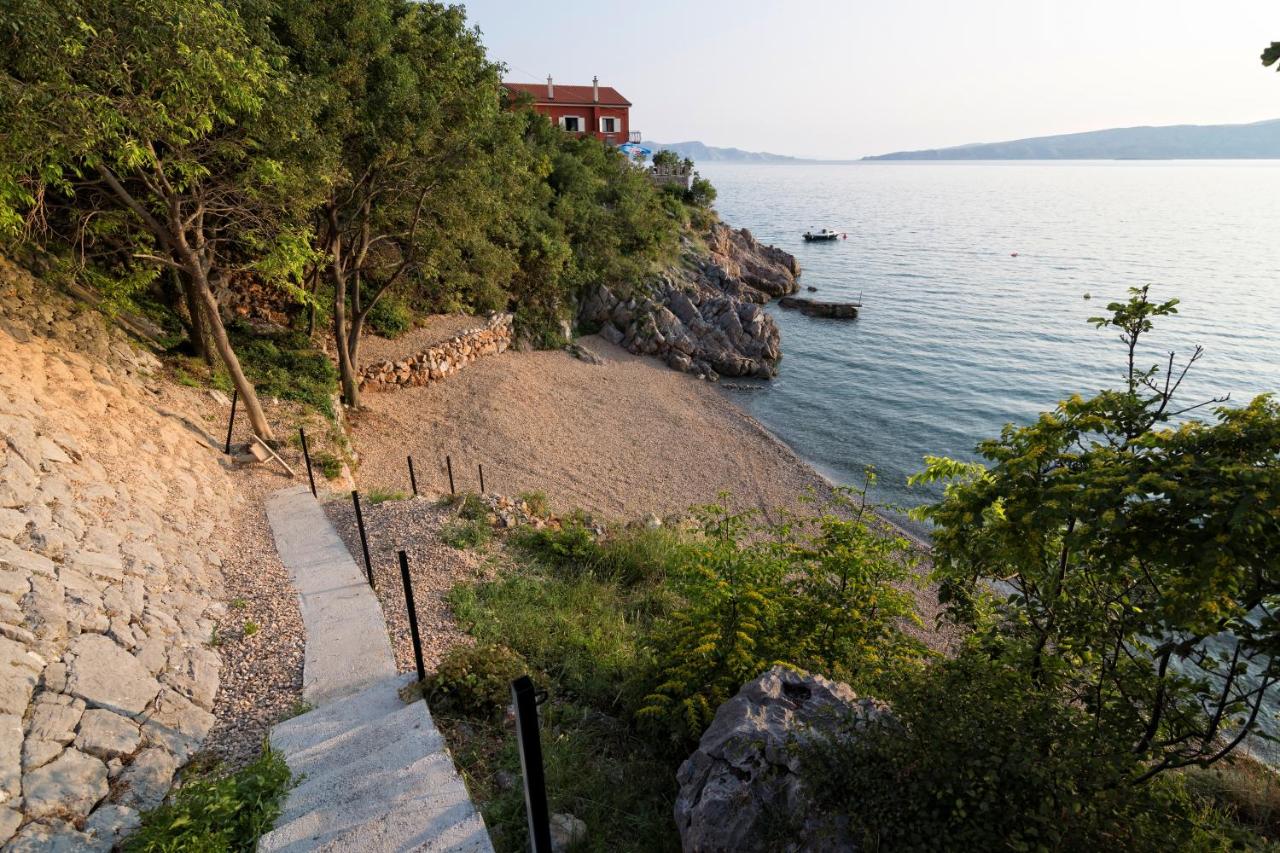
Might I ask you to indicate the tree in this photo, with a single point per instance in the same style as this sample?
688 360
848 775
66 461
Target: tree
1127 558
160 131
411 126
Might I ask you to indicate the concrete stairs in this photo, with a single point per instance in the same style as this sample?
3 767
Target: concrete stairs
372 773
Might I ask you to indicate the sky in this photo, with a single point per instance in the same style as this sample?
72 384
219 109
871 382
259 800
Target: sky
847 78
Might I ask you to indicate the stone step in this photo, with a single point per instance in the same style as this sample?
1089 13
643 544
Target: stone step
320 724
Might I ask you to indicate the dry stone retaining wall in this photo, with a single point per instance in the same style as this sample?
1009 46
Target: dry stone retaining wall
109 580
441 360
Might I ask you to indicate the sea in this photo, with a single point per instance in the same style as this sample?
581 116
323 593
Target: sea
977 282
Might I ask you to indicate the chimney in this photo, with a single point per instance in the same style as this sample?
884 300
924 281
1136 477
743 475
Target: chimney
595 89
551 89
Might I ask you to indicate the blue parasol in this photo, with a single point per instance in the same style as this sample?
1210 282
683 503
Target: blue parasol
632 149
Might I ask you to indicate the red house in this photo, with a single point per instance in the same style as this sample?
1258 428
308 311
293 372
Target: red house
595 109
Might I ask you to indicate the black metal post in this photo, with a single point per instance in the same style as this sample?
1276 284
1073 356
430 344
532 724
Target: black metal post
535 780
307 456
413 616
364 539
413 481
449 464
481 467
235 395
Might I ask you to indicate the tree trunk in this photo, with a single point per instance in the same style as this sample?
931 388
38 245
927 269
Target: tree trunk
346 370
218 332
199 329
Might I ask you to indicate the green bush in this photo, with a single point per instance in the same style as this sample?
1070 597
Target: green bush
472 507
390 317
218 814
572 545
463 534
977 757
475 681
329 464
537 503
286 365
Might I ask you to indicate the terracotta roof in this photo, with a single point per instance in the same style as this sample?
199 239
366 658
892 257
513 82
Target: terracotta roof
609 96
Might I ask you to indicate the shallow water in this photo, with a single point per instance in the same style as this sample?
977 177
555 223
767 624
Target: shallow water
959 336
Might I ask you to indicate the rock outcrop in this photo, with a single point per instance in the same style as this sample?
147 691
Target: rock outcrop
109 577
441 360
820 308
705 317
744 787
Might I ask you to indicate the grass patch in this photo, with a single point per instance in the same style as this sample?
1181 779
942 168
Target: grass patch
464 534
250 628
329 464
214 813
377 496
537 503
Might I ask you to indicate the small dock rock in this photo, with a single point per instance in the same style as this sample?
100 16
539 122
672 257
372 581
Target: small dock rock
819 308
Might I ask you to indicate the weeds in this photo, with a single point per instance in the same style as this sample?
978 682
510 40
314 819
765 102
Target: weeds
463 534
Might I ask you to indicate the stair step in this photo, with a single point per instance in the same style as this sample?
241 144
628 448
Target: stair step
358 709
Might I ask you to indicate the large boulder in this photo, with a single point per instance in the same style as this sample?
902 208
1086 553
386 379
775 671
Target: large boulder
745 789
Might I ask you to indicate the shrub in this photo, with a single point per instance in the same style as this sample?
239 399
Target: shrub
377 496
329 464
475 681
465 534
390 317
978 757
537 503
472 507
570 546
286 365
217 814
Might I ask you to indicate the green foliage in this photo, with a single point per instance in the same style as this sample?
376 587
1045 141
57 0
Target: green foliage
464 534
390 317
377 496
287 366
537 503
472 507
329 464
474 681
1125 563
250 628
823 593
1271 55
217 814
701 193
978 757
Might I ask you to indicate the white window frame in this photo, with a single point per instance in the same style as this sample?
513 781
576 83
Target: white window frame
581 123
617 124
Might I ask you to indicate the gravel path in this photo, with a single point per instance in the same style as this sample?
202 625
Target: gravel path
410 525
260 635
434 330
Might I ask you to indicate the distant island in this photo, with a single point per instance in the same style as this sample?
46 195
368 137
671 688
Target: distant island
702 153
1259 140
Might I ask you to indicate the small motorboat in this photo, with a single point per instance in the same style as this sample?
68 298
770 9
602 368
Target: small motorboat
823 235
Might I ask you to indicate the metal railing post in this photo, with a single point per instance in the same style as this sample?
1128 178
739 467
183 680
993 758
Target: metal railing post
449 464
535 780
307 456
235 396
413 616
481 467
413 480
364 540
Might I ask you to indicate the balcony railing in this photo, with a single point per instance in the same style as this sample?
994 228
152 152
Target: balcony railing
633 136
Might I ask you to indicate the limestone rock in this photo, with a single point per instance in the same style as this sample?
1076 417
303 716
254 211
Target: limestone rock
144 783
177 724
10 757
71 785
107 676
106 734
566 831
747 769
112 823
10 820
54 837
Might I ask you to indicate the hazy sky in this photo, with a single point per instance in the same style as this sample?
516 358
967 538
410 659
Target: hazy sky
844 79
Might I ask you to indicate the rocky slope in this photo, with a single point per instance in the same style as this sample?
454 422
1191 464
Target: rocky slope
110 515
705 317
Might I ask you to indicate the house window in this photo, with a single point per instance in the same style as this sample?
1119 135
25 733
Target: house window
573 124
608 124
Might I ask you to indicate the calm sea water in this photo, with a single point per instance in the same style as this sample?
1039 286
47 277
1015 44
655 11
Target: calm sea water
958 336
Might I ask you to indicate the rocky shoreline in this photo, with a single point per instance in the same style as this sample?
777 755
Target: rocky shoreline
706 316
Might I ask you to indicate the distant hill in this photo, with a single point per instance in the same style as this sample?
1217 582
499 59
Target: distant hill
700 153
1178 142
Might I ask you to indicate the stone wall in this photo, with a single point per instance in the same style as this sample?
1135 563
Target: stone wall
110 510
441 360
